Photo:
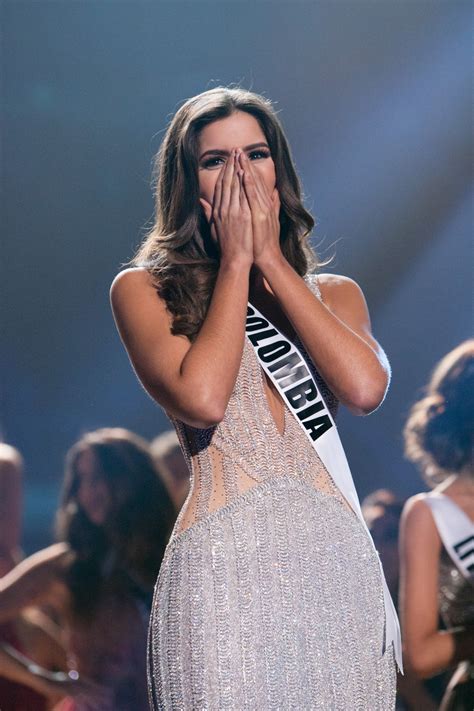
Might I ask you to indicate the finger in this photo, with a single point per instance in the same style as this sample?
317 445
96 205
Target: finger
234 203
219 187
251 192
276 202
259 183
207 207
227 181
244 203
218 192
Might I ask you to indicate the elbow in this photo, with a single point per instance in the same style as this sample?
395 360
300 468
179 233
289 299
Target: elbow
205 411
420 661
204 420
369 390
367 399
212 412
195 405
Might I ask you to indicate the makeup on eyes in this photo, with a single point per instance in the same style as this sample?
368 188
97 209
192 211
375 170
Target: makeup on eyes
219 155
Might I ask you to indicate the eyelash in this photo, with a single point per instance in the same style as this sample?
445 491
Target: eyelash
210 162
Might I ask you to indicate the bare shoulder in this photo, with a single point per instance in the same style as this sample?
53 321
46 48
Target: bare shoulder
337 290
417 518
344 297
133 292
131 280
11 461
10 454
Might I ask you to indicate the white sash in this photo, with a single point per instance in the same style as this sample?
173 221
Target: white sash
456 530
289 372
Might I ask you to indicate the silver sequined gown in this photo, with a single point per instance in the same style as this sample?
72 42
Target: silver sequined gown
269 595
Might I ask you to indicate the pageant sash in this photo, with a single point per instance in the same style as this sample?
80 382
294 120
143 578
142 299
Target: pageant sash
456 530
289 372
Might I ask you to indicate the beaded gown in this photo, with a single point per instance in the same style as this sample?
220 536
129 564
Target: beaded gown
456 607
270 593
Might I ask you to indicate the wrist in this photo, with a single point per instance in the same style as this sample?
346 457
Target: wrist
235 265
270 261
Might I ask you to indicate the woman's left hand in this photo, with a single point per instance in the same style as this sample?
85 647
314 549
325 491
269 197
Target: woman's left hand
265 211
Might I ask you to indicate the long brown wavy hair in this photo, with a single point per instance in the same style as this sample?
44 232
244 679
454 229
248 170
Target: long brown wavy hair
137 528
439 433
178 251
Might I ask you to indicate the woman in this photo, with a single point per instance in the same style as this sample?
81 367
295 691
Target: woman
113 525
168 457
271 593
29 633
437 530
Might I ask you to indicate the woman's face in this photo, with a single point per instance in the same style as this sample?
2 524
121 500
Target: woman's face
93 494
239 130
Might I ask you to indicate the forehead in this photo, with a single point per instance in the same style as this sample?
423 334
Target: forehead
239 129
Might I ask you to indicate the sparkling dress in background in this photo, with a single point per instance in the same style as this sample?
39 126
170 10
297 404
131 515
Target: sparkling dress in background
456 606
269 595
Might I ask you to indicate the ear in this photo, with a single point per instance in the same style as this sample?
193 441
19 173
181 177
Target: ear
207 207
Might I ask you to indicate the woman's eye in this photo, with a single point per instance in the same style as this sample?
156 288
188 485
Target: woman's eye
212 162
259 154
216 162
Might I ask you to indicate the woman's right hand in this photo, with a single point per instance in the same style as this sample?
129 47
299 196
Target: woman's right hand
229 216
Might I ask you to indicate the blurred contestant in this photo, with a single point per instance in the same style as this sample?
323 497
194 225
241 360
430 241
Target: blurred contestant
113 525
437 546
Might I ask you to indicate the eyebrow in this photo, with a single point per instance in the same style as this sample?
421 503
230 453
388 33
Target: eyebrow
220 152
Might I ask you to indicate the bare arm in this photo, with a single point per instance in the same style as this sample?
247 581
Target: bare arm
33 581
16 667
54 685
193 381
428 649
11 470
336 334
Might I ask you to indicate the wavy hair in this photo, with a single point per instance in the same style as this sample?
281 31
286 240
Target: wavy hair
439 433
131 542
178 252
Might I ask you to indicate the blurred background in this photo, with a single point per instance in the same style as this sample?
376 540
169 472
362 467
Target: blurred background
376 100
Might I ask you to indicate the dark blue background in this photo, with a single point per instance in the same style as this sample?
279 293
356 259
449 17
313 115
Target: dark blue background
375 98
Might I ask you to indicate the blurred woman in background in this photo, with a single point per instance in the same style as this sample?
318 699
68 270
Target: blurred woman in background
382 510
31 633
113 525
172 466
437 530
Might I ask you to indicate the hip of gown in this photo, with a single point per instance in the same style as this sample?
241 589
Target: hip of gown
274 601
